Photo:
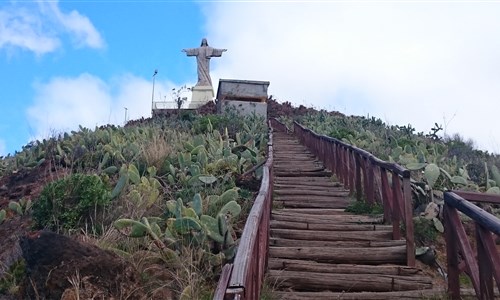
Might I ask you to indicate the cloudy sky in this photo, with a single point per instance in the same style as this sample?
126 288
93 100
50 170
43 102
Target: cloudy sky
64 63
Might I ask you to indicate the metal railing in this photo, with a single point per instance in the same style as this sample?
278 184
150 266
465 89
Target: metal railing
369 177
483 265
243 279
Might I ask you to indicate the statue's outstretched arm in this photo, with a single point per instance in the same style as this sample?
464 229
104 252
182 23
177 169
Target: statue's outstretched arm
191 51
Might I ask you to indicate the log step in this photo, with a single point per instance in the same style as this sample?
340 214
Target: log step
303 174
368 256
338 219
309 281
317 186
300 192
313 266
328 226
312 204
304 179
415 294
282 242
310 235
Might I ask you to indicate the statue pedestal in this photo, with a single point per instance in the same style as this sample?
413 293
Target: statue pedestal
201 96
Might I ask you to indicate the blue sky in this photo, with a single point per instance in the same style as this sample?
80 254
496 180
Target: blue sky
64 63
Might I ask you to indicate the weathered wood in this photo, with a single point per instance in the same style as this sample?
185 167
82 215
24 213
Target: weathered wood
297 192
282 242
243 261
490 256
329 212
463 244
311 204
327 186
411 294
478 197
308 281
373 255
302 174
314 198
327 225
313 266
478 214
319 247
331 236
303 179
220 291
337 219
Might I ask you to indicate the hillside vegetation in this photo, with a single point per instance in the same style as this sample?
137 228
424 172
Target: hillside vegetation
167 195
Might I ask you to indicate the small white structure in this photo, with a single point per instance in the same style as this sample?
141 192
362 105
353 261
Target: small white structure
246 96
201 96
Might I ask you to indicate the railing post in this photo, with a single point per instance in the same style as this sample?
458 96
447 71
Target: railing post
359 190
408 216
386 196
396 212
370 191
364 163
451 254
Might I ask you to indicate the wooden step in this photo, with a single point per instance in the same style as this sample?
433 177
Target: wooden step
368 256
302 174
315 211
312 204
313 235
297 192
410 294
313 266
326 225
316 186
282 242
311 281
336 219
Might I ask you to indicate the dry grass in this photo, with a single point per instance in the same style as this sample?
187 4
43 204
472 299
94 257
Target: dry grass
156 150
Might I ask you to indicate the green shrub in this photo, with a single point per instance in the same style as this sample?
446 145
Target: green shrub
69 202
11 280
424 230
365 208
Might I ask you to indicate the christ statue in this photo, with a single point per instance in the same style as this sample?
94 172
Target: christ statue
203 55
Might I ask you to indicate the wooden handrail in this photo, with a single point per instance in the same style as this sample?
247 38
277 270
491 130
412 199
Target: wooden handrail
247 272
359 171
484 265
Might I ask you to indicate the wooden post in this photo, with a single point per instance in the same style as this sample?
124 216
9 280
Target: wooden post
484 264
364 166
359 190
345 171
386 196
396 212
451 255
491 252
408 216
370 191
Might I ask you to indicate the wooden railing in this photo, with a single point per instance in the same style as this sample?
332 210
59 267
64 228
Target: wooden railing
369 177
243 279
483 265
375 181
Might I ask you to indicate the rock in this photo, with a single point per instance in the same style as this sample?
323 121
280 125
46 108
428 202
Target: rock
58 267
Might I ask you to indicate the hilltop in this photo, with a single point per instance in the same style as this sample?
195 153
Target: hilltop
164 199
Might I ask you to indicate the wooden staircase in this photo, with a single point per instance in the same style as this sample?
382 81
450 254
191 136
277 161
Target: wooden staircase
319 251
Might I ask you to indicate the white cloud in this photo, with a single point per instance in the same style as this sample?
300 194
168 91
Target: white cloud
80 27
405 62
64 103
21 29
39 28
